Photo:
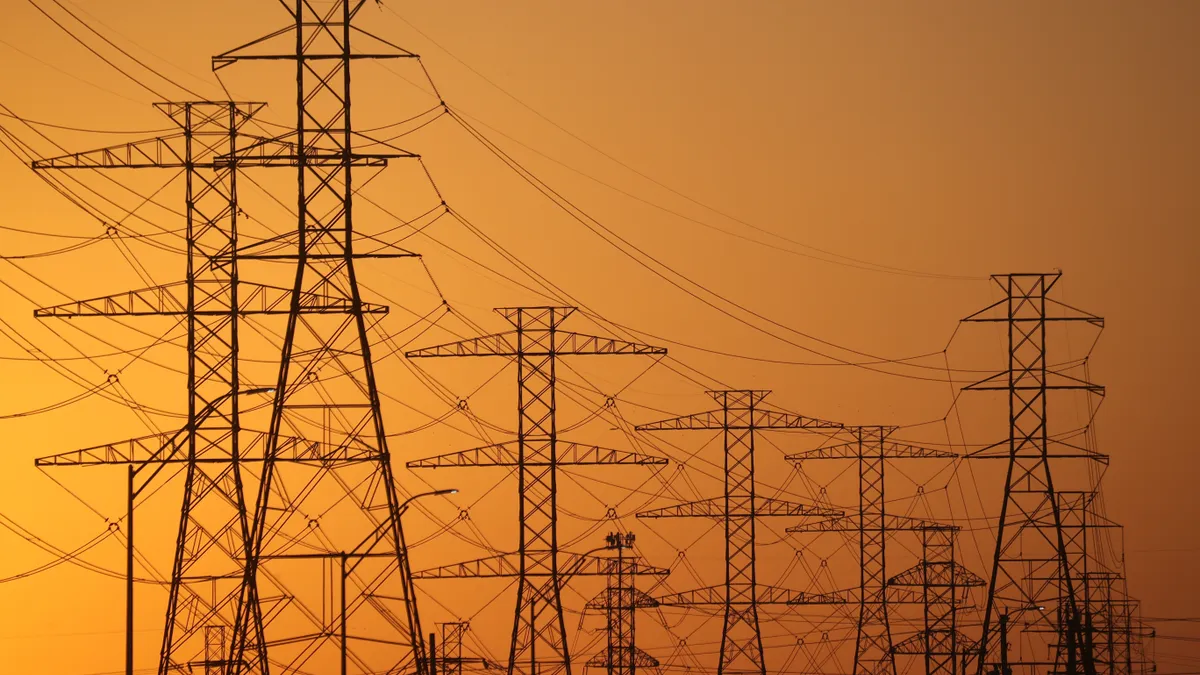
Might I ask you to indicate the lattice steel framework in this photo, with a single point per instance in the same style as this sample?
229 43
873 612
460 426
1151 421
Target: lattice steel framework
1031 580
206 569
620 601
538 643
451 660
326 385
873 653
942 583
739 416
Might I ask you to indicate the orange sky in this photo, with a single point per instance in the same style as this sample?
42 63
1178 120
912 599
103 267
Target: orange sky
960 140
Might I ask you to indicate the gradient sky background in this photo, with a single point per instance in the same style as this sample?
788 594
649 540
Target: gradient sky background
956 140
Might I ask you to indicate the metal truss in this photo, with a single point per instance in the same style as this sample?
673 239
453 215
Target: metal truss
873 654
620 601
211 542
1031 578
538 644
326 386
451 660
739 415
941 581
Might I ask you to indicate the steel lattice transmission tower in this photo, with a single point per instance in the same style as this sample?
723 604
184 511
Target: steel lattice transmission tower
1031 583
211 300
538 645
620 601
739 416
873 654
941 582
343 500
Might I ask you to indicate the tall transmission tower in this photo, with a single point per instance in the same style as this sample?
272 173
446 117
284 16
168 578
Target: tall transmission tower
1031 583
450 659
941 581
739 416
873 654
620 601
211 542
538 644
344 500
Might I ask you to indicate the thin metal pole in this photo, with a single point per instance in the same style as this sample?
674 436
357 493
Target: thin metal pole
343 601
129 577
432 655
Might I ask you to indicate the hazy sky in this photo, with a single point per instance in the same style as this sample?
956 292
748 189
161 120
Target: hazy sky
851 171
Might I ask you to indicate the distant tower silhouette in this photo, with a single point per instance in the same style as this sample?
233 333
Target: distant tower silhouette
739 416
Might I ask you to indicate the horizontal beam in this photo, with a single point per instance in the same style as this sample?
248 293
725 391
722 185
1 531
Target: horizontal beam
212 298
856 450
171 448
536 342
762 506
944 574
537 564
851 524
763 595
509 454
739 419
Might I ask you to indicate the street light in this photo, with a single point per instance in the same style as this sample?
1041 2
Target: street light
133 493
358 553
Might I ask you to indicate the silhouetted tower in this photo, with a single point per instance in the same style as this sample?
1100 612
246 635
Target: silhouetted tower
538 645
1031 580
739 416
620 601
942 584
345 500
873 638
210 546
450 660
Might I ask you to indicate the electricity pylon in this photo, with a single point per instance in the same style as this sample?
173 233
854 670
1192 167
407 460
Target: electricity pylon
1031 581
620 601
345 501
451 660
538 645
873 653
941 581
739 416
211 542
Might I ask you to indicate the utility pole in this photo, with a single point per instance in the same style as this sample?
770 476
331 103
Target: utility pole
1031 541
940 580
873 654
620 601
538 645
740 414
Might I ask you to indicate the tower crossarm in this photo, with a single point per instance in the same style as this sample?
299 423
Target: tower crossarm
905 595
507 565
640 659
212 299
1055 449
170 152
151 153
1025 289
508 454
854 450
769 595
716 508
941 574
935 642
750 419
536 343
171 448
888 523
613 598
